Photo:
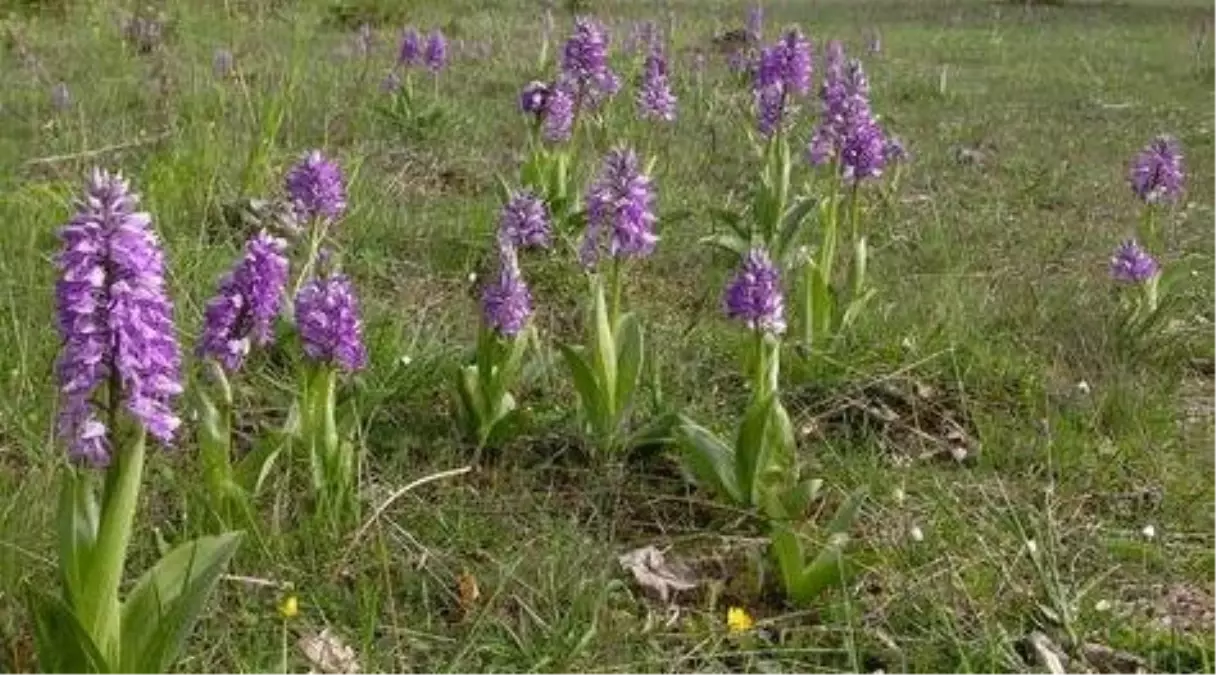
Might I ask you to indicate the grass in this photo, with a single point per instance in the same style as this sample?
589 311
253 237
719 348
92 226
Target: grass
993 293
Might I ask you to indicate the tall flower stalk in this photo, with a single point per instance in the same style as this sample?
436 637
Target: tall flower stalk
119 373
853 147
317 193
239 317
487 406
760 472
1156 178
331 334
620 225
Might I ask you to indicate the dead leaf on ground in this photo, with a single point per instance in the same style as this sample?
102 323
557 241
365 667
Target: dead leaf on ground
652 571
469 591
1046 653
328 654
1108 660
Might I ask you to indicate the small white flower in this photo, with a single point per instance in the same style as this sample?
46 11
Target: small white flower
406 360
1102 606
1149 531
1032 547
1083 387
472 277
916 534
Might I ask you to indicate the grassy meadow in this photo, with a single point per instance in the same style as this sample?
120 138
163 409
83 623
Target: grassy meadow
991 335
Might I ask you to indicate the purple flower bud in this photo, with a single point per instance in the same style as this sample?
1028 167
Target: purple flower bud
754 297
1132 264
410 51
327 316
788 63
585 62
655 100
436 51
862 155
115 320
506 303
1157 173
796 72
620 201
848 130
249 298
822 148
533 97
315 188
558 118
524 222
770 108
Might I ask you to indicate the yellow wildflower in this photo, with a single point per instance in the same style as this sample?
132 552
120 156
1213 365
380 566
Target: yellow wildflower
289 607
738 620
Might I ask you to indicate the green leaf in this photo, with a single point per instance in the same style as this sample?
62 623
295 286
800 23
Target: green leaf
251 471
162 608
584 382
823 305
855 308
750 449
828 568
788 553
847 512
516 351
560 179
725 216
857 273
470 398
505 425
97 605
791 224
61 642
729 242
77 524
710 460
605 354
504 188
798 499
629 352
776 464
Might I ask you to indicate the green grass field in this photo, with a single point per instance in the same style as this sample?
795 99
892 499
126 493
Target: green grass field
993 317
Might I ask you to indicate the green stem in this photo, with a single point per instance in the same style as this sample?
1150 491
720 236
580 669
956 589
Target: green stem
614 309
1148 227
854 212
761 374
316 236
100 608
808 301
338 482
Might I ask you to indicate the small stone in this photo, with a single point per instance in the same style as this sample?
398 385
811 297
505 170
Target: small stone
916 534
